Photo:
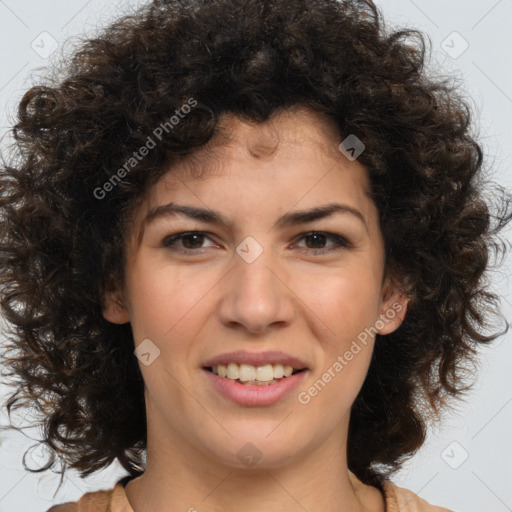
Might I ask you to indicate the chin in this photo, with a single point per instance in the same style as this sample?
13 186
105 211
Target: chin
252 448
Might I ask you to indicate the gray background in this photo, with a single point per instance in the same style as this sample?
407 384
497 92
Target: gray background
465 464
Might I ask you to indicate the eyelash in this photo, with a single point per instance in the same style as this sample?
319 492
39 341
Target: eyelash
340 243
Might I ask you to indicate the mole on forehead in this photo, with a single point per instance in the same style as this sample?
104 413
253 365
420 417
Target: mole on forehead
263 143
260 140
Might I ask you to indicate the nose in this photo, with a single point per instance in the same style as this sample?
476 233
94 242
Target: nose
255 296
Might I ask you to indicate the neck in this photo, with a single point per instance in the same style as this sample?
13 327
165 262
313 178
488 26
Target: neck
187 473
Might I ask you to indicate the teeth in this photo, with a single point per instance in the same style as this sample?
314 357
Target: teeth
249 373
246 372
264 373
232 371
278 371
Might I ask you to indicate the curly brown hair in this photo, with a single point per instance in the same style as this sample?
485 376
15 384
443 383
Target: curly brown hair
62 245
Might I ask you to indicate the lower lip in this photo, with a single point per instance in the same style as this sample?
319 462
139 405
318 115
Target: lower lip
254 395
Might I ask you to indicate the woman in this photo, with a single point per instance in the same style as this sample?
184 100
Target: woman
275 207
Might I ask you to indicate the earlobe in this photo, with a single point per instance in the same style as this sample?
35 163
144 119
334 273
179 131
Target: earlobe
114 309
393 309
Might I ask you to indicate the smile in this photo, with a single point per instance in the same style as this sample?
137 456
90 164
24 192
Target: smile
254 393
254 375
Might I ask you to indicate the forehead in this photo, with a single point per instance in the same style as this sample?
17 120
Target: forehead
285 131
292 158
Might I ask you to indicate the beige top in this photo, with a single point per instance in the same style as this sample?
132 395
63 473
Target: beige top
115 500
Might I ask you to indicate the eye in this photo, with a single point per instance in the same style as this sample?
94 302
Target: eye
190 241
318 239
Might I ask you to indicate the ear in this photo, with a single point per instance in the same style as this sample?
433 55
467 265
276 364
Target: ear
393 306
114 308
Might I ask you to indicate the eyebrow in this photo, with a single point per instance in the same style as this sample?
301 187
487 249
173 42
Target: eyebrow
214 217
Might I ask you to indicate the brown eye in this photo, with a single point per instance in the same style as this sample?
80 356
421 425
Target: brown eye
190 242
317 240
193 241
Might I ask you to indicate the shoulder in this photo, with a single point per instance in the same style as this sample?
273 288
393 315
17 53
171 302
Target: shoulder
98 501
399 499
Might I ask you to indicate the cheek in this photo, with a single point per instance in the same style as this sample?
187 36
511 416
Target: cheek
347 302
348 305
164 300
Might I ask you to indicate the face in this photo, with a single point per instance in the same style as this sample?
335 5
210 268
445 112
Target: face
284 264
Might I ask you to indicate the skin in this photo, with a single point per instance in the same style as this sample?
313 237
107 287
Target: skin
291 298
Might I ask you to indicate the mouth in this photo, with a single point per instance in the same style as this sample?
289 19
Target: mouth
251 375
255 379
249 385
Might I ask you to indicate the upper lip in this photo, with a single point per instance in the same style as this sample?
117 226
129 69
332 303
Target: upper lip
256 359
